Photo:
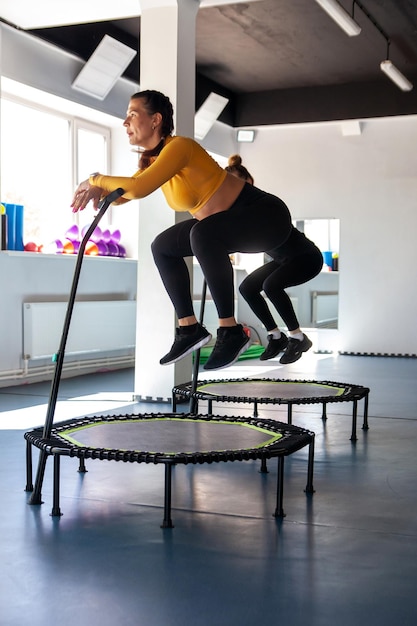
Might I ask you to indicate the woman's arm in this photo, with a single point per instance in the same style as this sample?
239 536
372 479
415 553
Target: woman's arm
171 160
173 157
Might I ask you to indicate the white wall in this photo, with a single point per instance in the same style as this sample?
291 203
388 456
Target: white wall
32 277
369 182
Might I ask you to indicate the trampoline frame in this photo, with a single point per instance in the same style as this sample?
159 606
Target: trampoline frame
293 438
354 393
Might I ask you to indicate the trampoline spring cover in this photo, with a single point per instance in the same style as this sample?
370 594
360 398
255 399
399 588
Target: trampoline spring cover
171 438
273 391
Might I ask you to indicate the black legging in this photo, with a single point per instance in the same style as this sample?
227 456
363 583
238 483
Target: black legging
273 278
256 222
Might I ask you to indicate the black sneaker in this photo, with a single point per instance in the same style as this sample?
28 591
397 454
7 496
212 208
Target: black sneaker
230 343
274 347
295 350
185 343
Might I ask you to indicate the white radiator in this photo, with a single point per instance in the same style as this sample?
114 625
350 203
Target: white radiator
324 308
96 326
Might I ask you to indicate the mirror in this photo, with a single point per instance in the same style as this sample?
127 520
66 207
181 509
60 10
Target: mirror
317 302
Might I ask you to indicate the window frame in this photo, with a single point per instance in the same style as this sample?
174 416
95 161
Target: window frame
75 123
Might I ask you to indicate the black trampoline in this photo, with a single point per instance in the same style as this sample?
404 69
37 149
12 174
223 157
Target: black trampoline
274 391
170 439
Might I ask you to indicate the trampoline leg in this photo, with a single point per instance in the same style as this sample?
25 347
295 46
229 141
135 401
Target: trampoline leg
289 414
82 468
324 413
365 413
56 511
264 469
36 497
210 407
174 403
279 511
354 420
29 484
193 409
193 401
167 523
255 409
310 467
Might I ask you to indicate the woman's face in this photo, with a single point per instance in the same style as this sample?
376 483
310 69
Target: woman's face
141 128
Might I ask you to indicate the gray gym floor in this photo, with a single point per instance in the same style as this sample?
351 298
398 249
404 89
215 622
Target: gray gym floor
346 555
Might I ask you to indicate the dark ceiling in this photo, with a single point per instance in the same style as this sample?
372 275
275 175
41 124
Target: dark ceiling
285 61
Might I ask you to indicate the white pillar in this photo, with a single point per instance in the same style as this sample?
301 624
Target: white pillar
167 64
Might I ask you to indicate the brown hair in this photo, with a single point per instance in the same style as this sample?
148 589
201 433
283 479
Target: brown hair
236 168
156 102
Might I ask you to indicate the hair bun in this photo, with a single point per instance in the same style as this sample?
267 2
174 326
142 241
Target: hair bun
234 160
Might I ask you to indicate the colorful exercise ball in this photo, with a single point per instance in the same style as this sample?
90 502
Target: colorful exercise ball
113 249
95 235
68 247
103 248
106 236
53 247
91 248
73 233
31 246
116 236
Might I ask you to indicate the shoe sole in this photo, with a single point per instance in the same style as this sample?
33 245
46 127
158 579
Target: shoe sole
220 367
197 346
267 358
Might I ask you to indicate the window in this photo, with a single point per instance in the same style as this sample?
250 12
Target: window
43 156
92 144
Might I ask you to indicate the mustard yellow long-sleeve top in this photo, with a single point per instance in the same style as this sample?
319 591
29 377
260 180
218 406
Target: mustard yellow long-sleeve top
186 173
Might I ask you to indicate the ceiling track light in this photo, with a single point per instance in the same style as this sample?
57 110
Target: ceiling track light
348 24
387 66
395 75
340 16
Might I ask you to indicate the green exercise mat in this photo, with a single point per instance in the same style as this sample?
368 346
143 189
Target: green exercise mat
253 352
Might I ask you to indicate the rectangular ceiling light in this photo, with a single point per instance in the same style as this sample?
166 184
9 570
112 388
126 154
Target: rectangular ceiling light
395 75
104 68
245 136
207 114
340 16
